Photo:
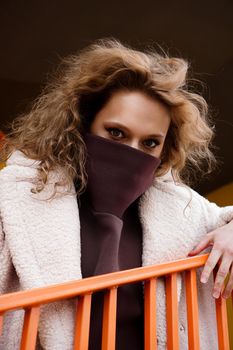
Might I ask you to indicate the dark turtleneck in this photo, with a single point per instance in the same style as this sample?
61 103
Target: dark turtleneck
111 233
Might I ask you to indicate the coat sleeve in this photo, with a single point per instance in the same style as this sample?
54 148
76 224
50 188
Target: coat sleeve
215 216
5 256
6 265
33 235
211 217
5 261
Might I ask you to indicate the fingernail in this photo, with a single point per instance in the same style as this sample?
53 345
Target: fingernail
203 279
216 295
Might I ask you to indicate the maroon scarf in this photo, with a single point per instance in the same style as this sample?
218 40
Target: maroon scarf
111 234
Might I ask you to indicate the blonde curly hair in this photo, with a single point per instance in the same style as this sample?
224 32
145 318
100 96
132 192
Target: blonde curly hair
52 130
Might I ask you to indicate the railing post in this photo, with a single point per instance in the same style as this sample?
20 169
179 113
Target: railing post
1 323
150 337
221 315
31 320
221 312
82 326
192 309
172 312
109 319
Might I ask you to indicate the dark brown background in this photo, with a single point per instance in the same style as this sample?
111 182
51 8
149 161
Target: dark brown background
35 34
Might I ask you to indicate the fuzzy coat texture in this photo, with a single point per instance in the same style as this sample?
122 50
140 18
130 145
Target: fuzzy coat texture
40 246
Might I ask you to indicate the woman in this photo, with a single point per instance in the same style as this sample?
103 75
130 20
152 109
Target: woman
96 182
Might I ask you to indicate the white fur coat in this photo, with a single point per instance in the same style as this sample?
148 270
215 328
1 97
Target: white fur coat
40 245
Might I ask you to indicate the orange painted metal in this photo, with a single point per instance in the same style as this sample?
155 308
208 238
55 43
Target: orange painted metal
1 323
82 326
172 312
221 313
30 326
83 288
222 327
109 319
56 292
150 339
192 309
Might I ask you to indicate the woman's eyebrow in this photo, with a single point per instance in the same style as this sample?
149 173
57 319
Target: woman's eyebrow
119 125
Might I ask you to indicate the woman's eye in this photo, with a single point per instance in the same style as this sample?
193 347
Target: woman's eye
151 143
115 132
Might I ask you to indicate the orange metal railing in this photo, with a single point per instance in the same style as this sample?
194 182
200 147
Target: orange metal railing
31 301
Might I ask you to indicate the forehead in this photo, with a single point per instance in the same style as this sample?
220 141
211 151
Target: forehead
135 110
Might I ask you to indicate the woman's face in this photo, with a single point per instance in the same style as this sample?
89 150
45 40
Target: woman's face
134 119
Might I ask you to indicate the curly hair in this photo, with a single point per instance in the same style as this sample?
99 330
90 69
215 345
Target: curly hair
51 131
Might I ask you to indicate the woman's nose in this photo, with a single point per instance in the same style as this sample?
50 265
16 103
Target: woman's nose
134 144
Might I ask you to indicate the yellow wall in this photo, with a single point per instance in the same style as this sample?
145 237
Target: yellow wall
224 196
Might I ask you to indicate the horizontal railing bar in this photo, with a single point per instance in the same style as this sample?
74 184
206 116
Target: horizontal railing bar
56 292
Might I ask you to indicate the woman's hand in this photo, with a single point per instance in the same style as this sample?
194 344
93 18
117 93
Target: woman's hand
222 241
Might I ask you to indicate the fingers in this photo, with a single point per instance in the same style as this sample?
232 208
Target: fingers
202 245
223 270
212 260
222 242
221 275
